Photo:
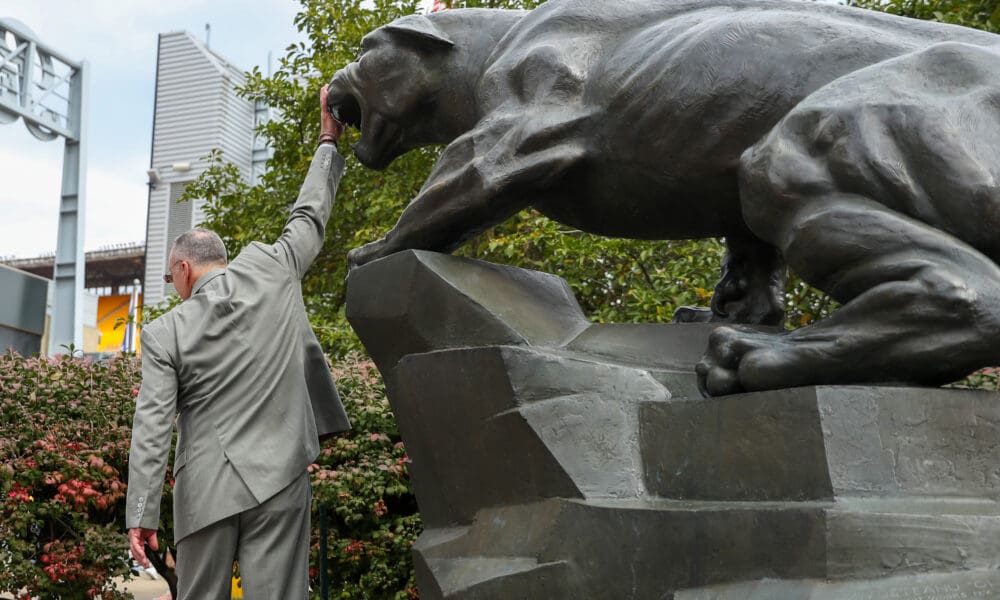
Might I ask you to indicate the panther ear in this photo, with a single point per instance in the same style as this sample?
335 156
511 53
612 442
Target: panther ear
420 27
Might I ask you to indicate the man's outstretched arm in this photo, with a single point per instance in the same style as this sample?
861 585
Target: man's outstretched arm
305 229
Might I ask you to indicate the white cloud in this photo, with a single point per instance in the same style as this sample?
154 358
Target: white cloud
116 33
29 195
118 39
115 209
116 205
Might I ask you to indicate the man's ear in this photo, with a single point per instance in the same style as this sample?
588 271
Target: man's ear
419 27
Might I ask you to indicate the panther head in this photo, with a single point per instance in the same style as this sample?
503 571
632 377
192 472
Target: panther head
390 92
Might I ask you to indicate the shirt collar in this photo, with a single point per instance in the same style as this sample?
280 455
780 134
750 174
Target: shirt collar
204 279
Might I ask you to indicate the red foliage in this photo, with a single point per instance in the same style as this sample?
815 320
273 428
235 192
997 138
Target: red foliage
64 440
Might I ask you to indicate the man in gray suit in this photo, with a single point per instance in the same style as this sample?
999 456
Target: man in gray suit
240 368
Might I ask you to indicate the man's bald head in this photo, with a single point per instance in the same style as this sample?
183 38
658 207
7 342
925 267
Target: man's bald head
201 247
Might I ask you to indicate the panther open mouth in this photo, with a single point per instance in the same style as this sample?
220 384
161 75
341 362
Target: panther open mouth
347 110
376 146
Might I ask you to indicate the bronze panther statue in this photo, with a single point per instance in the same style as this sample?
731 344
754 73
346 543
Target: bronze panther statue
862 149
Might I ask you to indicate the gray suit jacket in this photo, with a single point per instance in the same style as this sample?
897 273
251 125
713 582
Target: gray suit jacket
240 368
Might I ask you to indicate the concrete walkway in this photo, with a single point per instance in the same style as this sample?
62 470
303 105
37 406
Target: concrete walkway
142 588
145 589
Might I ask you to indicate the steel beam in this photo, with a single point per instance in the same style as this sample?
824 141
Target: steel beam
68 273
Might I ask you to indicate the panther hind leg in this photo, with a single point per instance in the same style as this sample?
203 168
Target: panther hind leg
891 207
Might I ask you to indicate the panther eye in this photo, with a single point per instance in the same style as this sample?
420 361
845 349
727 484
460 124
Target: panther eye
367 43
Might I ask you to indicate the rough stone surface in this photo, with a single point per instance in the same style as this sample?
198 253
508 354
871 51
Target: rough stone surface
984 584
846 441
412 306
577 460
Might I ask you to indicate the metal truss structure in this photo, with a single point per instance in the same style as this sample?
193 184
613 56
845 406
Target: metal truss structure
49 93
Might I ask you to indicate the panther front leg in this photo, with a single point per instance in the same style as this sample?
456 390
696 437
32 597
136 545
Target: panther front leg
481 179
750 290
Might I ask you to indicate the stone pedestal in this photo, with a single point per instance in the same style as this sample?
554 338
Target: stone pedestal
559 459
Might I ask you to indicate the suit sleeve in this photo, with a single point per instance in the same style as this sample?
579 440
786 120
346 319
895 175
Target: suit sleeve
305 229
152 432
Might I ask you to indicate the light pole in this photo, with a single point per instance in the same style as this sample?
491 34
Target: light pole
49 92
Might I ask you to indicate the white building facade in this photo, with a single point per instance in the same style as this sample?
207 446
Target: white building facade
197 109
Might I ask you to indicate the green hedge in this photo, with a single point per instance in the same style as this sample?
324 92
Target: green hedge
363 480
65 430
64 441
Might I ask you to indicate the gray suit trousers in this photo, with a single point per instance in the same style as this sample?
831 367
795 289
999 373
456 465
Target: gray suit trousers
271 542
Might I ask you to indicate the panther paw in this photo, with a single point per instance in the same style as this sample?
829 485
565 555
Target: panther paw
365 254
734 356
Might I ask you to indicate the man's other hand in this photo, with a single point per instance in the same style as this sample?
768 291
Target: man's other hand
137 536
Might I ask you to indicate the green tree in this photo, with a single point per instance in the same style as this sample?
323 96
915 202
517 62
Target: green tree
65 427
615 280
980 14
366 201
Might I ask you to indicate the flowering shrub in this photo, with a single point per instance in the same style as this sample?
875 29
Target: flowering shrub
362 480
984 379
64 442
65 430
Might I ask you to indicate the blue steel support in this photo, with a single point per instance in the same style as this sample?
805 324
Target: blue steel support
29 76
68 276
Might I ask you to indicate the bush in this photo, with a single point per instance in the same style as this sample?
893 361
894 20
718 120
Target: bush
64 441
65 431
362 480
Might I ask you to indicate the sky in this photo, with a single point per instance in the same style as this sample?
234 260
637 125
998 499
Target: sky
118 40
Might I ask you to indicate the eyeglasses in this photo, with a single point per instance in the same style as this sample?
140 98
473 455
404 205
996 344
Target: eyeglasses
169 277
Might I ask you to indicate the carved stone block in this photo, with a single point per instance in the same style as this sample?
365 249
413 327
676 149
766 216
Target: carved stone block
555 458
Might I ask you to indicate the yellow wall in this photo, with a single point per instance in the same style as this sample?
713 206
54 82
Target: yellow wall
111 309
